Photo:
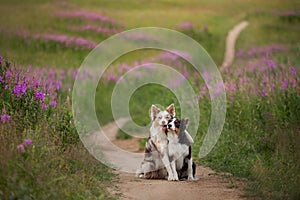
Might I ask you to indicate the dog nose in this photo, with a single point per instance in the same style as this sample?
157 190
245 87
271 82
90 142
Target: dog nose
169 125
163 122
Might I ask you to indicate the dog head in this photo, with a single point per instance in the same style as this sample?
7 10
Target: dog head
161 118
177 126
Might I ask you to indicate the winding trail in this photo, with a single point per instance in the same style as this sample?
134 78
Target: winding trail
230 43
210 186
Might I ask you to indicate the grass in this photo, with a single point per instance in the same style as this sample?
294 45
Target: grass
47 172
260 139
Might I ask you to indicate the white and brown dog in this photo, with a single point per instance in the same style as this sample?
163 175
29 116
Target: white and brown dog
156 159
179 149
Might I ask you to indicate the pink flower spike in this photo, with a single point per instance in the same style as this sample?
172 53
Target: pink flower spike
5 118
53 103
186 74
293 71
27 142
40 96
186 25
284 84
21 148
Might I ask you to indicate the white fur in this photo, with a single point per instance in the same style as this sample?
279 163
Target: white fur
157 134
178 151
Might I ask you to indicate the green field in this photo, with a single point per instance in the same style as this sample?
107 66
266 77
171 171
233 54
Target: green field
260 140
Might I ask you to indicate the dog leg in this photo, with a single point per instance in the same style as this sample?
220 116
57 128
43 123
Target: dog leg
166 162
173 166
190 169
194 170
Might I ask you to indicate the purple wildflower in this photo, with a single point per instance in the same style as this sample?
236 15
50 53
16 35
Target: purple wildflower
240 53
1 59
293 71
239 73
206 76
242 79
19 89
219 88
8 75
264 93
36 83
27 142
178 82
111 77
263 68
106 31
44 106
53 103
1 79
284 84
186 74
231 87
168 56
21 148
273 85
203 91
271 64
5 118
67 41
262 51
186 25
40 96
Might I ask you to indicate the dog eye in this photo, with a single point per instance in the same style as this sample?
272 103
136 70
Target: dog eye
159 117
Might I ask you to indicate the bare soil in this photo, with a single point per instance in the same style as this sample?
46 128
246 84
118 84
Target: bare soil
230 44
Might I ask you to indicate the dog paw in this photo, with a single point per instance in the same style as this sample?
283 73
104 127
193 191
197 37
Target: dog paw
170 178
190 178
141 176
176 177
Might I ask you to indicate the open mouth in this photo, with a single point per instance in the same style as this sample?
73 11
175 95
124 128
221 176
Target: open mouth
164 127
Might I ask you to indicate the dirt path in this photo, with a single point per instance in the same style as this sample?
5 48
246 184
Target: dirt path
210 186
230 43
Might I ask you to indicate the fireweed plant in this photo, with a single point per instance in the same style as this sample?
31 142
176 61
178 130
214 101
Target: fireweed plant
41 157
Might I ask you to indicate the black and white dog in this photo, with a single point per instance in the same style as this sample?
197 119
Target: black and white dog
179 149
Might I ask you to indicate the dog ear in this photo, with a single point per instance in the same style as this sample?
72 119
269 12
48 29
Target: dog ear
183 124
171 109
186 122
154 111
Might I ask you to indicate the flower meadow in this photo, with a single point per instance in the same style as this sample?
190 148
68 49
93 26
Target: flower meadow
30 94
89 16
41 153
262 93
81 21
